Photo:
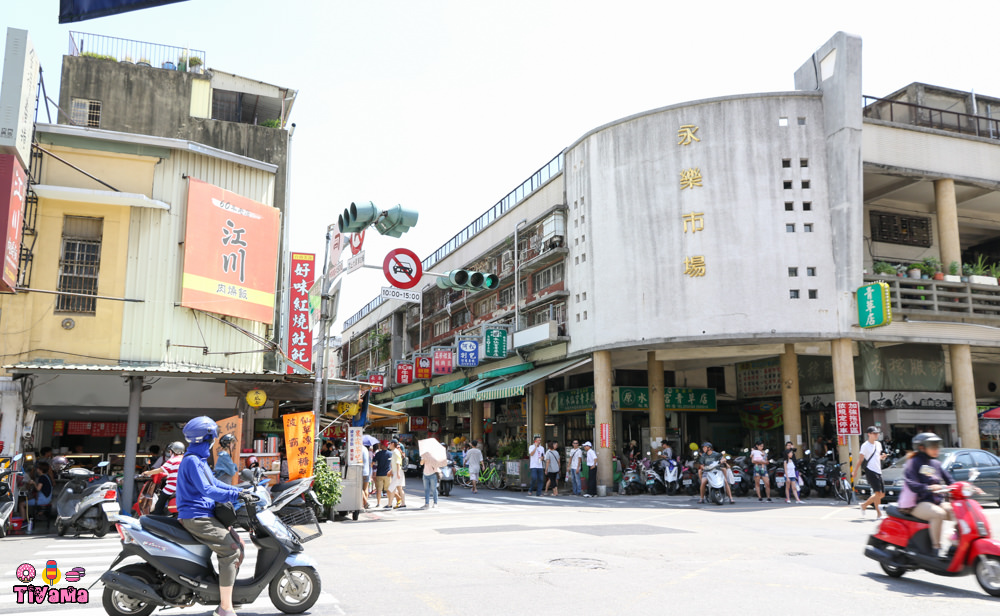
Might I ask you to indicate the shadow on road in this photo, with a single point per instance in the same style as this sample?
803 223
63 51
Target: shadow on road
920 588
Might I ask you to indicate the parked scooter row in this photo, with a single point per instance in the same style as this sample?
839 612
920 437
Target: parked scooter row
87 503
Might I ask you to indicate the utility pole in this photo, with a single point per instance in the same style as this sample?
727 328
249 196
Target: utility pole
319 372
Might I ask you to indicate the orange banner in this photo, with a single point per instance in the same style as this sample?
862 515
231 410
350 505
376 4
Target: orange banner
230 254
300 430
230 425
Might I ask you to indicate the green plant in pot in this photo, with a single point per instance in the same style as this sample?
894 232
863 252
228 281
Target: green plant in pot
327 484
913 270
930 267
881 268
954 268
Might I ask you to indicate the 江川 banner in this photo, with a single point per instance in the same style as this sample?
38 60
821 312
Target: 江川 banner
230 254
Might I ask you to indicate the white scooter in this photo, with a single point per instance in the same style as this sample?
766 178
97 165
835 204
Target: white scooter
6 494
88 503
716 477
671 476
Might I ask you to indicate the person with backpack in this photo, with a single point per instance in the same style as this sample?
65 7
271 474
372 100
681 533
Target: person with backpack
552 469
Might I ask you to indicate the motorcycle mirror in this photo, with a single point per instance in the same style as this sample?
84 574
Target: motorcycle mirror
102 464
17 458
807 452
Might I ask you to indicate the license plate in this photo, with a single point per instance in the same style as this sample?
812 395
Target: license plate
780 482
686 482
737 479
821 482
110 507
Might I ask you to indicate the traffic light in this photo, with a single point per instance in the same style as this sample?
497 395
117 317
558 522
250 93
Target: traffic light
468 281
357 217
396 221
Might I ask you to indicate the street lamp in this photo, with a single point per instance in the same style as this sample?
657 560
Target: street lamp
517 281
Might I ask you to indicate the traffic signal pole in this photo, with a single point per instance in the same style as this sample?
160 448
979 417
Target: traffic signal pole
319 373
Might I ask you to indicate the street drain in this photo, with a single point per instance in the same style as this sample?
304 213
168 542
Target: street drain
579 563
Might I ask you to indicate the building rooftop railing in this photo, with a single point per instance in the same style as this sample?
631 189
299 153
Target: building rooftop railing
918 115
137 52
941 299
548 171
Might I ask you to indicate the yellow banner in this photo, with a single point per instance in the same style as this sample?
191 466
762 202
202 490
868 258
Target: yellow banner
300 430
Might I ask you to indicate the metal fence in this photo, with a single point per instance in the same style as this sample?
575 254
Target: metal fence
136 52
918 115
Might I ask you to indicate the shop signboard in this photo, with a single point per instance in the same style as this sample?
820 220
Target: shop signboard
11 217
378 380
874 306
759 379
21 72
354 455
58 427
78 428
418 423
848 418
230 254
675 399
109 428
302 272
300 430
230 425
495 342
404 372
422 370
573 400
334 267
468 353
444 360
605 441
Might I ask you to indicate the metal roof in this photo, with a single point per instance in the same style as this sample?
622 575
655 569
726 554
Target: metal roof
139 370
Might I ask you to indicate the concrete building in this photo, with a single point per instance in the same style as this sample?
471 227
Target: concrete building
691 273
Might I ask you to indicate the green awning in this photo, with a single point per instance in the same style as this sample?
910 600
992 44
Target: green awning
469 391
515 386
489 374
412 403
449 386
411 395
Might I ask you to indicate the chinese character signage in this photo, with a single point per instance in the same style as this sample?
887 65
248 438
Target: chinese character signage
495 340
230 425
230 254
848 418
404 372
17 96
11 216
418 423
572 400
874 307
468 353
605 441
303 271
674 399
78 428
422 370
300 430
355 457
444 360
759 379
107 428
378 381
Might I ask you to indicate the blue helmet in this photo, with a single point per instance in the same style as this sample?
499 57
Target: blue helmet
201 430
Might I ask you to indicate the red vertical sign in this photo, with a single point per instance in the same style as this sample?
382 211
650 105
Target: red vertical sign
378 381
404 373
11 215
848 418
423 371
303 272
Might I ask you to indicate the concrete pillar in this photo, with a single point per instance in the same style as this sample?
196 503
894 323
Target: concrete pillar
657 405
790 410
602 415
843 381
947 221
537 417
963 391
131 436
476 422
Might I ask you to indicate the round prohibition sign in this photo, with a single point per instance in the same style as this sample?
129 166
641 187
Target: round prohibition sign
402 268
357 240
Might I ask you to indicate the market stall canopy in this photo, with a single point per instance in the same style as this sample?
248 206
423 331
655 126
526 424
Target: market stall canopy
469 391
412 403
380 416
515 386
443 395
411 395
507 370
336 391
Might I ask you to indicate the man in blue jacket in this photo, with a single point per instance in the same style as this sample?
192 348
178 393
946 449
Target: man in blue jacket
197 493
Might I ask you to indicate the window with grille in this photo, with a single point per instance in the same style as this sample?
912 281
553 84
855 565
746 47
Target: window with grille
86 113
460 319
506 296
548 277
79 264
898 229
441 328
486 306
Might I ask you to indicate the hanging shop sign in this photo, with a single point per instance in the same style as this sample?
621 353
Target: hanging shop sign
759 379
378 380
418 423
444 360
468 353
355 457
256 398
21 72
300 339
495 342
11 218
675 399
423 369
300 430
874 305
404 372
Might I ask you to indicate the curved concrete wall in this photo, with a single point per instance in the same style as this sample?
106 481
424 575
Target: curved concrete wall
626 227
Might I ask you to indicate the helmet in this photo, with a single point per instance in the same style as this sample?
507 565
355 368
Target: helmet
926 438
176 448
201 430
252 462
59 463
227 440
707 444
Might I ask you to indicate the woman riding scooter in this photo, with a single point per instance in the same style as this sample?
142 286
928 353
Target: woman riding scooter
175 451
923 477
197 493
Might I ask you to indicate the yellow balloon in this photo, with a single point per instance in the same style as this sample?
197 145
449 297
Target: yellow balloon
456 440
693 446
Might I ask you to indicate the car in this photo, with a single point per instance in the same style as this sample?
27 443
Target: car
958 462
402 269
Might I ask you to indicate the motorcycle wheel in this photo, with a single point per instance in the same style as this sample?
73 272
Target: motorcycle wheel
295 590
988 574
355 515
102 528
717 496
117 603
671 488
61 529
692 489
892 571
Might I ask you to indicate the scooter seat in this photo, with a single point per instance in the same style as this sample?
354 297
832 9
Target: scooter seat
893 511
167 528
284 486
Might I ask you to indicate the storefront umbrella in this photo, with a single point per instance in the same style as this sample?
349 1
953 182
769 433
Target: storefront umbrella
434 448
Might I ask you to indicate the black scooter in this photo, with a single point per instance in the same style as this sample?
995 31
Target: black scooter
6 494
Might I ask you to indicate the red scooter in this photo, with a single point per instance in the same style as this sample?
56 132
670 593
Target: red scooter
902 542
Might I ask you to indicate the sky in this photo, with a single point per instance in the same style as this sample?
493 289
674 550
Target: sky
446 106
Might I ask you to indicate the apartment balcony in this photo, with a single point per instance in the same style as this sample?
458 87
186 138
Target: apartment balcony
940 300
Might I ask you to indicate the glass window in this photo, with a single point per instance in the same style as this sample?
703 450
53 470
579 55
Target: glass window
507 296
984 460
79 263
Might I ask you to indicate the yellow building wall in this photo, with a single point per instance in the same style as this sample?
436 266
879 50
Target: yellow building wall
30 328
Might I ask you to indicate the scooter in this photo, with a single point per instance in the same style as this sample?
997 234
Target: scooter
297 493
716 477
6 494
177 569
447 481
740 483
902 542
87 503
689 479
654 482
819 467
671 476
632 481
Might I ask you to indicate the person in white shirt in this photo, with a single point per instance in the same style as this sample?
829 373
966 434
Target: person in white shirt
760 475
666 451
591 470
872 456
474 460
536 455
575 463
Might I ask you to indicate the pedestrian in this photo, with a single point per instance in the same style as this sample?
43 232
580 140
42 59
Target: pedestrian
397 481
383 466
225 468
552 464
366 472
871 461
283 467
591 470
633 450
575 463
666 451
759 460
474 460
536 457
176 452
791 477
431 470
41 483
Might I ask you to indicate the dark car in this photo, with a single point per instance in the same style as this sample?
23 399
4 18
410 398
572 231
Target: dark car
958 462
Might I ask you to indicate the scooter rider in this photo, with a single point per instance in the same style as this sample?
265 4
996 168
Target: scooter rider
175 453
197 493
708 457
922 477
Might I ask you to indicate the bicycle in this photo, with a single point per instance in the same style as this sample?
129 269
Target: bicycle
842 487
492 477
462 477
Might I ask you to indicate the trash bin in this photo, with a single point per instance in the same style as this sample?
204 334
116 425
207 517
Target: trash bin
518 474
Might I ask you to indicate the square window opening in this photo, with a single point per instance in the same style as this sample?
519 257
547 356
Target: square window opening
813 293
805 183
803 162
787 184
802 121
786 163
789 206
790 228
793 294
807 227
793 272
807 206
810 271
782 121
